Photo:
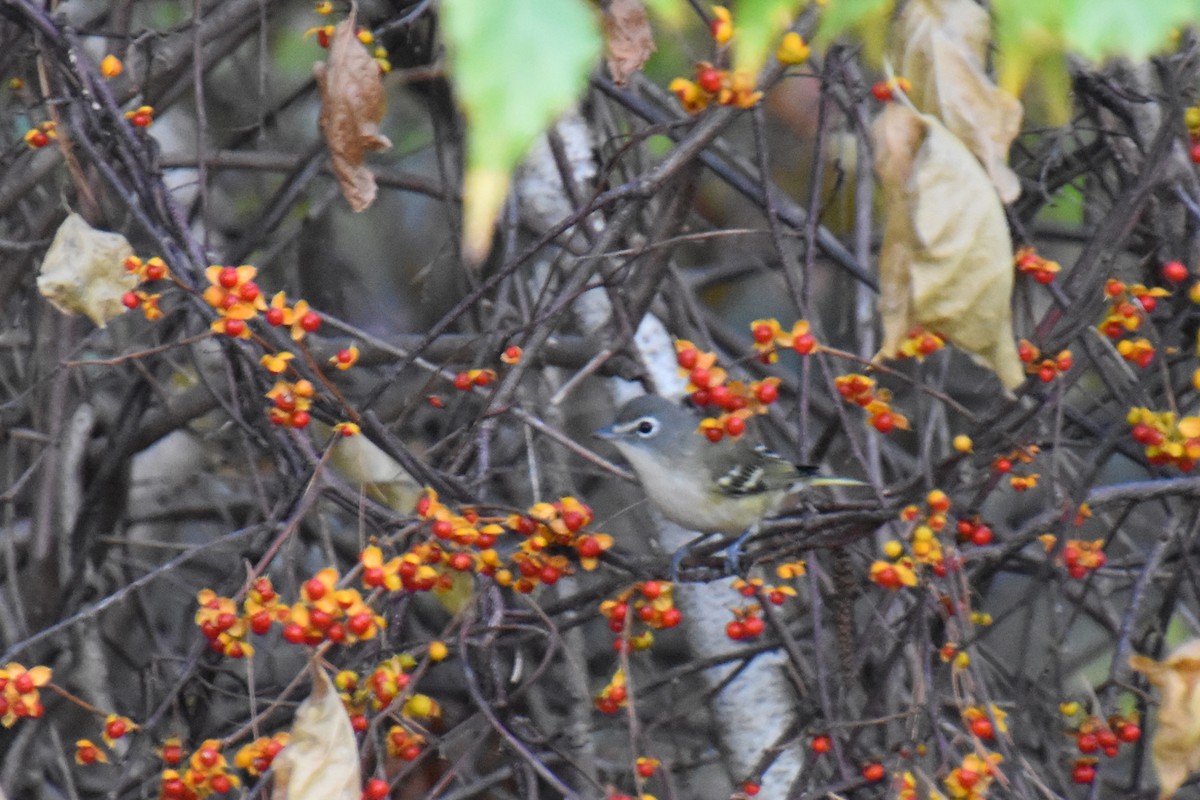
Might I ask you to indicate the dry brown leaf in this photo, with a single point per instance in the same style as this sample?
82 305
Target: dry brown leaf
940 47
320 761
628 41
946 259
84 271
352 106
1176 746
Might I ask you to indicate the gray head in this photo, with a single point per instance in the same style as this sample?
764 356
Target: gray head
654 424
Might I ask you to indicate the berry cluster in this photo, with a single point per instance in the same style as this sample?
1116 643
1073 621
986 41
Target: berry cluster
1003 464
714 84
1030 263
1047 369
649 606
1129 305
324 36
148 271
141 117
920 343
973 777
42 135
256 757
463 381
769 336
1081 557
1165 438
1095 735
19 697
860 390
207 773
919 545
980 721
614 695
710 387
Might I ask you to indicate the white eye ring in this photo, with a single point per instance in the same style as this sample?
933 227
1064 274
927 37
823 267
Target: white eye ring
646 427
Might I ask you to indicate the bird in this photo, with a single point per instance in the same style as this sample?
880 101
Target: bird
725 487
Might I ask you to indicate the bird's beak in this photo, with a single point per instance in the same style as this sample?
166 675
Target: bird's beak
604 433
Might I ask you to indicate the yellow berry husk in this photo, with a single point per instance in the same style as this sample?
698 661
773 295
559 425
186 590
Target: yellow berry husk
963 443
893 549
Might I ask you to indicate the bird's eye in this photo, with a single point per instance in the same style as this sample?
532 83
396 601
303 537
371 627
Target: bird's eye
647 427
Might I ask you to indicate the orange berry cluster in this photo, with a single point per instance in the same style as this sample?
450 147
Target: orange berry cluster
324 35
1127 309
227 631
769 336
710 387
973 777
725 87
920 343
148 271
886 91
141 117
19 697
1094 735
776 595
860 390
463 381
1079 556
290 403
326 613
613 696
653 608
207 773
87 753
256 757
979 721
1029 262
42 135
746 623
922 546
1047 369
974 531
1166 439
1003 464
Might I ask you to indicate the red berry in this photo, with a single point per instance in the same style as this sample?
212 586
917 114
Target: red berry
249 291
1129 732
874 772
767 393
1083 773
315 589
714 434
822 744
881 91
750 789
1047 373
463 381
220 784
260 622
687 358
208 756
227 277
573 520
672 617
310 321
1106 738
23 683
735 426
411 753
549 575
1003 465
141 120
700 376
235 327
130 300
589 547
155 271
652 590
981 536
376 789
336 632
275 316
115 729
735 630
1148 302
300 419
720 396
982 727
461 562
804 344
967 777
883 422
700 398
293 633
360 623
173 788
753 626
87 755
645 768
763 333
1043 276
709 79
38 139
1087 743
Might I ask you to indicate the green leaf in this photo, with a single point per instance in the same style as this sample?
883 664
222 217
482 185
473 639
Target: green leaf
843 15
759 24
672 12
516 66
1100 28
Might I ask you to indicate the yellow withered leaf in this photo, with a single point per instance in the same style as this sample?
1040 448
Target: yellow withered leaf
940 46
352 106
1176 746
320 761
84 271
946 259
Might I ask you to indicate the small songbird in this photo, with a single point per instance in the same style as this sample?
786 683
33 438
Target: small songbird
724 487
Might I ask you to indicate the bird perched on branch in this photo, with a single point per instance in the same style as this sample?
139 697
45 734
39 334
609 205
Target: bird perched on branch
724 487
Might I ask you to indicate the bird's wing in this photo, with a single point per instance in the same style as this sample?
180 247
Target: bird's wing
742 469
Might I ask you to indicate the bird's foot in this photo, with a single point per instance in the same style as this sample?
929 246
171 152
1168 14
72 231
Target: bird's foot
681 554
733 553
